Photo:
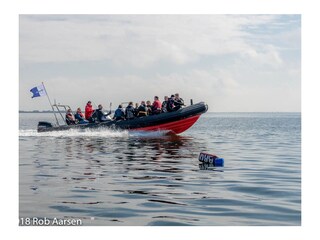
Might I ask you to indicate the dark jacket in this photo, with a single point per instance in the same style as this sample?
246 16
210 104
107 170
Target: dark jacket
79 116
178 103
118 114
170 104
164 106
142 111
130 112
100 115
149 108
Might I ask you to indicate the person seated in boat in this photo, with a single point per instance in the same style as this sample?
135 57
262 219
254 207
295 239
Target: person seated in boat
170 104
119 114
88 111
149 107
130 111
178 102
142 109
99 115
79 116
156 105
136 109
164 104
70 120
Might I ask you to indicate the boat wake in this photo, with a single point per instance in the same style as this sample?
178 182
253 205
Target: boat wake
75 133
148 134
106 133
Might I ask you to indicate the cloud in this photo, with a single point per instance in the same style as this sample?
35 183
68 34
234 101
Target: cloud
225 60
138 40
267 55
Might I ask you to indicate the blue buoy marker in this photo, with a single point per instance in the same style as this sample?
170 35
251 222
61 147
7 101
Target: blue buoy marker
213 159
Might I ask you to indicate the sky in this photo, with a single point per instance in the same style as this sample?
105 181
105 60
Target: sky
235 63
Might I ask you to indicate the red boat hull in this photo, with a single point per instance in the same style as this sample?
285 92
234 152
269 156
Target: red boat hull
175 127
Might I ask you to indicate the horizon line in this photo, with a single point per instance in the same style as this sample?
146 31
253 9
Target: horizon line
50 111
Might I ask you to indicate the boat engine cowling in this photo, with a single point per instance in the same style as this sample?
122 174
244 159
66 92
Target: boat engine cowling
44 125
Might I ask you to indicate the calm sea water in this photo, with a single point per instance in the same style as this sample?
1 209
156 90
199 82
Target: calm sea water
134 178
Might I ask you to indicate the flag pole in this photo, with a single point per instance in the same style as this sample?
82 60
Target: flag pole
50 103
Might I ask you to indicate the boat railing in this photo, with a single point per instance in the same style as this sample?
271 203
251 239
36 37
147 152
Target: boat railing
62 106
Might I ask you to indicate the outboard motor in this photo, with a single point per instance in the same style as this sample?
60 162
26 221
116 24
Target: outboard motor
42 125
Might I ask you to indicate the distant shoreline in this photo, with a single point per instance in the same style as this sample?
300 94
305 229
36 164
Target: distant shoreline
50 111
37 111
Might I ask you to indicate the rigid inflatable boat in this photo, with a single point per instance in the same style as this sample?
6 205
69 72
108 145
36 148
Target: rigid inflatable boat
171 122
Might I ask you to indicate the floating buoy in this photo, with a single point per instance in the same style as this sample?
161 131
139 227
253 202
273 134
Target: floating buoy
213 159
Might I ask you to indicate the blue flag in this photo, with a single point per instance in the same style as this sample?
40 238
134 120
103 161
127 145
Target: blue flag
38 91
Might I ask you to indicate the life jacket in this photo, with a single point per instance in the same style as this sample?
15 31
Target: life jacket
156 105
79 116
142 111
69 120
88 111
